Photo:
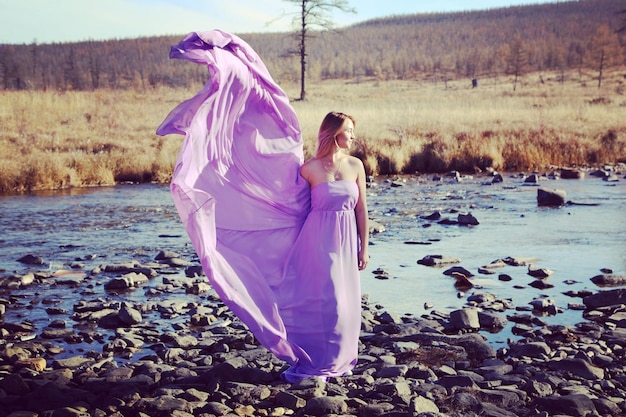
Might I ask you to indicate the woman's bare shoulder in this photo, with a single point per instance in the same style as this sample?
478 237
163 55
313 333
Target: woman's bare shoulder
355 161
307 166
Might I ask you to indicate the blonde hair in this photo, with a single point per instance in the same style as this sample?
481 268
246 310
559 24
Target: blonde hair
326 138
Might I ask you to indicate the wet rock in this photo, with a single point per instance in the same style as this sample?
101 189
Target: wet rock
572 173
17 281
541 284
129 315
543 304
461 282
51 333
127 281
435 215
606 298
550 197
491 321
481 298
458 269
497 178
532 179
609 280
193 271
129 267
447 222
465 319
31 260
538 272
437 260
467 219
518 261
166 254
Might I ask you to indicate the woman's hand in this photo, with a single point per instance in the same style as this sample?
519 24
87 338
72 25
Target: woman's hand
364 258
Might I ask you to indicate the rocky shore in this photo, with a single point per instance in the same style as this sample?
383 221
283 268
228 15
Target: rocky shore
182 353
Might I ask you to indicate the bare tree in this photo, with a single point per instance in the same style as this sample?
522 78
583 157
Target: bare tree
517 61
605 51
313 14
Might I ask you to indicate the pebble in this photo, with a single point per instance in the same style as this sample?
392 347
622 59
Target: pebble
181 352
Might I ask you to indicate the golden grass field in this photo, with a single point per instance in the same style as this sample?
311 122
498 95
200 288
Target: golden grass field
74 139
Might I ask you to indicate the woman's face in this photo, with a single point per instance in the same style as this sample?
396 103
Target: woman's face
345 135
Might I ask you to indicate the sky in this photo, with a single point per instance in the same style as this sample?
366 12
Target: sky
55 21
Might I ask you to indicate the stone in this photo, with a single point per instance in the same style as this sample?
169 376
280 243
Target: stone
532 179
14 384
458 269
572 174
127 281
452 381
289 400
31 260
467 219
538 272
392 371
465 319
609 280
578 367
72 362
491 321
36 364
421 404
129 315
550 197
530 349
320 406
575 405
606 298
437 260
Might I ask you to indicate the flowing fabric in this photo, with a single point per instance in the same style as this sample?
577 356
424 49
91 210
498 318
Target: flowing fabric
237 188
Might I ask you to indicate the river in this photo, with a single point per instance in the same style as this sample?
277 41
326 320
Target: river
134 222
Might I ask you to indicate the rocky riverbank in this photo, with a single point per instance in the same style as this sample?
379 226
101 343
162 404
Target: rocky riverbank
182 353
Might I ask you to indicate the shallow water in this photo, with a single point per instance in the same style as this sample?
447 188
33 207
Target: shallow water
126 222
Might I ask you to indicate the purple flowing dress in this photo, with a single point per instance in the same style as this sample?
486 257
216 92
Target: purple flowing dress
282 256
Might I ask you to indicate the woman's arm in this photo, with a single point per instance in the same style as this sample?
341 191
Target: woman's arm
361 217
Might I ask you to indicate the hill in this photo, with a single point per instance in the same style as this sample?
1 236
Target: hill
571 35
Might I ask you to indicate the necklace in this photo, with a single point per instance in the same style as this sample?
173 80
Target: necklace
334 172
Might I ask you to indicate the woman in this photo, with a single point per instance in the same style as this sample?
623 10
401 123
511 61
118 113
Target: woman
323 315
276 238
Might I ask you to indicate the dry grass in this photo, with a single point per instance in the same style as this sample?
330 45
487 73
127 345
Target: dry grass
54 140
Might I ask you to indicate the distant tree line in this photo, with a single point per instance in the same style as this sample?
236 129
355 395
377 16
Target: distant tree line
585 36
